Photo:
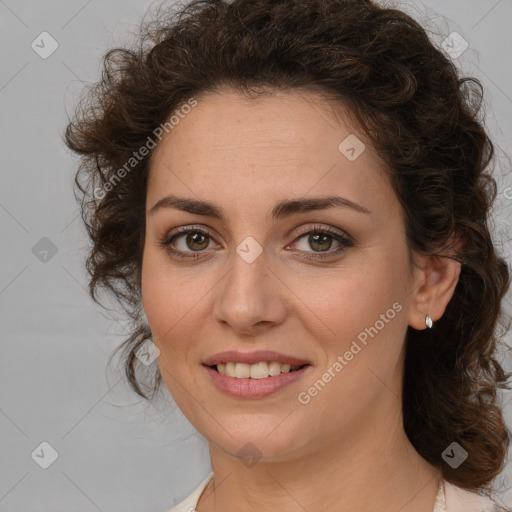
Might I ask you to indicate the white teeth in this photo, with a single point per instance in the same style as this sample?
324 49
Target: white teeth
230 369
260 370
242 370
274 368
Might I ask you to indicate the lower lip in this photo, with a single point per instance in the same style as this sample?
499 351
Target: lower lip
254 388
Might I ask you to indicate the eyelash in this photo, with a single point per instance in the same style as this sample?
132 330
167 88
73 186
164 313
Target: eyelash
316 230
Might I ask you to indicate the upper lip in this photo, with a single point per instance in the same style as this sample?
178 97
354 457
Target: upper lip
252 358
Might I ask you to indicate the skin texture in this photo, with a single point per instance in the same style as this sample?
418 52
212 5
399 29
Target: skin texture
346 449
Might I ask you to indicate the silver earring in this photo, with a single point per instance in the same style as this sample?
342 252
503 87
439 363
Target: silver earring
428 321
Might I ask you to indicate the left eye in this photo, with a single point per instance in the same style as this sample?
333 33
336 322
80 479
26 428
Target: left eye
197 240
321 240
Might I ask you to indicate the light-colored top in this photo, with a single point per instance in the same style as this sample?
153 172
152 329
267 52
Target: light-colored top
450 498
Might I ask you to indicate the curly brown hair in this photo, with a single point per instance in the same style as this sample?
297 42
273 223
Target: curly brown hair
418 113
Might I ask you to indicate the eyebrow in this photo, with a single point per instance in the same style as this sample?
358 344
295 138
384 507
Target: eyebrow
282 209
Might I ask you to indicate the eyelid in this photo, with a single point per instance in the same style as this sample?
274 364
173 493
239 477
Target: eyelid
302 230
343 238
320 227
184 230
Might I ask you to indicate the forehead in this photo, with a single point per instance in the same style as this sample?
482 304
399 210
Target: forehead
290 142
292 119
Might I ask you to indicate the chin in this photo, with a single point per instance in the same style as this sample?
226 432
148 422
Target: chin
251 450
264 437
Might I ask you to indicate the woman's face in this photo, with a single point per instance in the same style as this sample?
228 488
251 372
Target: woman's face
251 284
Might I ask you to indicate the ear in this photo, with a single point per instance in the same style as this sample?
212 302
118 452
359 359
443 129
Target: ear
435 283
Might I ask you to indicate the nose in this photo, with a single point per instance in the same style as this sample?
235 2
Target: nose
250 298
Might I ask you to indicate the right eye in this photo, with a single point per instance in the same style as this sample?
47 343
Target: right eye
193 238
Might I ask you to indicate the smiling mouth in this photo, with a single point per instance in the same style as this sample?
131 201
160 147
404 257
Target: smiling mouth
261 370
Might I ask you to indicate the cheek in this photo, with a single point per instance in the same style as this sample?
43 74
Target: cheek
366 323
166 305
355 299
163 298
174 303
363 325
162 292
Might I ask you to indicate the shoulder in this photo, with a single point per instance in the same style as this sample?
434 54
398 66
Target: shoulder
461 500
190 502
456 500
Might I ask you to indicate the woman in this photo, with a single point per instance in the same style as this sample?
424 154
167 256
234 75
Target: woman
291 198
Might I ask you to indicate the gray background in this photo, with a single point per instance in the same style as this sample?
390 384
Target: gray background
114 451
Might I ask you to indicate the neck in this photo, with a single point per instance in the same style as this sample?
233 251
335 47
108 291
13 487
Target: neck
367 469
